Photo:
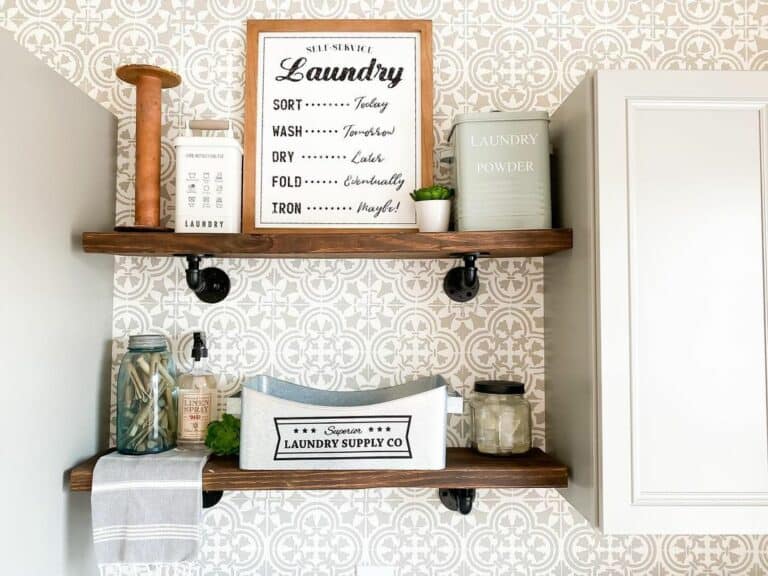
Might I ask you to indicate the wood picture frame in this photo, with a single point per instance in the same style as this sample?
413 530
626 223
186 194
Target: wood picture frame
372 39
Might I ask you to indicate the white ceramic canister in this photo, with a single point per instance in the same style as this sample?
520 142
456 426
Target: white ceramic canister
501 170
208 179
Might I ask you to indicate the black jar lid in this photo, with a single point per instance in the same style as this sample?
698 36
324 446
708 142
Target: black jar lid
499 387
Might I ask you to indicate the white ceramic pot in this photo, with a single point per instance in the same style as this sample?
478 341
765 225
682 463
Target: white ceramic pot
433 215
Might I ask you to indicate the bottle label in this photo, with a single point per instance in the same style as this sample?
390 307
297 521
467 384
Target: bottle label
194 415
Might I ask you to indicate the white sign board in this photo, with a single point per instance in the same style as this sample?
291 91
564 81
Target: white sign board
338 134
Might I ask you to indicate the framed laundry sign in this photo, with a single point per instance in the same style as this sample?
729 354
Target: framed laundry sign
338 124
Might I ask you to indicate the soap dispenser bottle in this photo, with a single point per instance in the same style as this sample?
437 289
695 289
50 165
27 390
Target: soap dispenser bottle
197 397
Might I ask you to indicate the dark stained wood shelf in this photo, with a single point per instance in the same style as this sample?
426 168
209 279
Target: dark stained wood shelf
464 469
510 243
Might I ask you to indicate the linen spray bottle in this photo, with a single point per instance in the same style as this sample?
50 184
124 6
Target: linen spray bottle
197 397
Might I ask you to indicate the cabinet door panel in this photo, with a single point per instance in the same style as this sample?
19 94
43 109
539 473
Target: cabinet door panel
697 319
681 218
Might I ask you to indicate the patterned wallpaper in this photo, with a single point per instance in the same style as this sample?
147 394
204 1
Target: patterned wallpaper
355 324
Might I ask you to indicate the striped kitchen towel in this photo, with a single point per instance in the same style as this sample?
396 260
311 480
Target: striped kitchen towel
147 509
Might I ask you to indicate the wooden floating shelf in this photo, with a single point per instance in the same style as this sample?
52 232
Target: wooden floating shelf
464 469
502 244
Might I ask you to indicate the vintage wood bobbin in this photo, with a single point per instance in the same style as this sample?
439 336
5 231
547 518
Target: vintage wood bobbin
149 81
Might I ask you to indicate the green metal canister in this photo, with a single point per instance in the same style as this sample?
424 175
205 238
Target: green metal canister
501 170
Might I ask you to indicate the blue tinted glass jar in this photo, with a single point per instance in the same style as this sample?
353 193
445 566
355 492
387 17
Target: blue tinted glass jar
146 397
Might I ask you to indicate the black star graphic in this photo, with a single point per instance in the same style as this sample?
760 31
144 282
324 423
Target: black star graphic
370 429
388 428
379 428
295 430
305 430
313 430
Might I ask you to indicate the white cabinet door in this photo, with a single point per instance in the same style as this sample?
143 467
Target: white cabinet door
680 215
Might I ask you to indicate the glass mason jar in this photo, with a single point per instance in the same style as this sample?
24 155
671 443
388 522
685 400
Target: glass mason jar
146 397
501 418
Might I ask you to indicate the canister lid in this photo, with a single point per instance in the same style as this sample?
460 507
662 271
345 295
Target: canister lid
499 117
496 116
208 141
499 387
147 341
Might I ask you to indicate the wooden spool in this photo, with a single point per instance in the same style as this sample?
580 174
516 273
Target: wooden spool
149 81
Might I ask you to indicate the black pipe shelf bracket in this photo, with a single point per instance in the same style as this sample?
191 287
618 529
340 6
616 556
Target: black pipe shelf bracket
455 499
210 284
462 283
458 499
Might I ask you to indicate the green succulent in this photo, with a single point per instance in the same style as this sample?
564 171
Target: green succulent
223 436
436 192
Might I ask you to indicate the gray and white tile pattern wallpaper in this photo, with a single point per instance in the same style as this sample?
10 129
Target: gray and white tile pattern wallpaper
343 324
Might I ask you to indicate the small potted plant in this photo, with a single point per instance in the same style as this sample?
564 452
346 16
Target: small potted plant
433 208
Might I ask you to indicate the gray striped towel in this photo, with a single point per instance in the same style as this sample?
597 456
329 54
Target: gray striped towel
147 509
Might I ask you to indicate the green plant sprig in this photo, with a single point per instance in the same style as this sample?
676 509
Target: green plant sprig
223 436
436 192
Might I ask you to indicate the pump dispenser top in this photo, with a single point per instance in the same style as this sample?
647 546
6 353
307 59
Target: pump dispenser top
199 349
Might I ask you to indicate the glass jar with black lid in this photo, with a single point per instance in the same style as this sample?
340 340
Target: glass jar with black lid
501 418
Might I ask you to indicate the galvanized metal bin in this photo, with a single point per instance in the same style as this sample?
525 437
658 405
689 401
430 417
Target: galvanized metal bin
501 170
288 426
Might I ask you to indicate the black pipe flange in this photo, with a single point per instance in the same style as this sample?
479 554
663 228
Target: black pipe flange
211 497
210 284
462 283
458 499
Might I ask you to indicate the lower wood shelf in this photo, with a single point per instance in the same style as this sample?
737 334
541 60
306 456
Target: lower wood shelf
464 469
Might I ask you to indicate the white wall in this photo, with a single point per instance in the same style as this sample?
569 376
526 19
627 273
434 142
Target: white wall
57 176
